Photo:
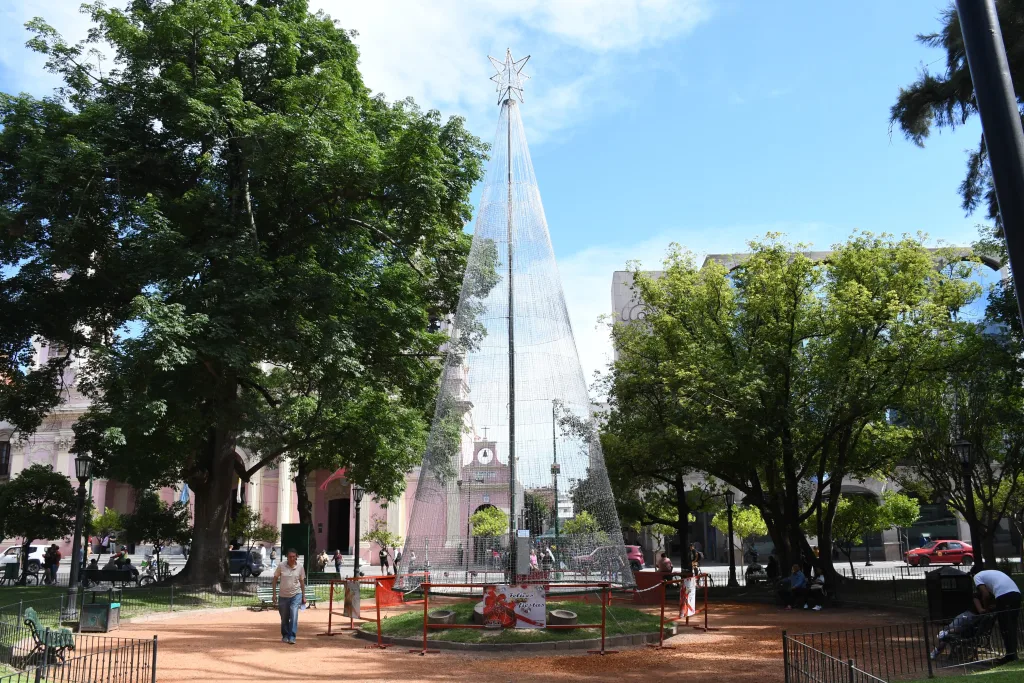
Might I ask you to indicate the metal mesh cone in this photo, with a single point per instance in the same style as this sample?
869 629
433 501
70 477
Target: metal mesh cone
466 467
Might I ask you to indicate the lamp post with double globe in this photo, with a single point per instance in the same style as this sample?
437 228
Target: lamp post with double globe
962 450
357 493
730 497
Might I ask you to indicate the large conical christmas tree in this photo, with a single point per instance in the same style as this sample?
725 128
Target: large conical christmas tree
513 470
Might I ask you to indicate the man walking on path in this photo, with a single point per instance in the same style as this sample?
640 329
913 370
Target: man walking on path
998 593
293 593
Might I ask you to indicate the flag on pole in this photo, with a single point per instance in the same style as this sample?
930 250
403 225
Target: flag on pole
184 493
338 474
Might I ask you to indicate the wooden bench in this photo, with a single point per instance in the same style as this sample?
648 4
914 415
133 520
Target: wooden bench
265 597
49 641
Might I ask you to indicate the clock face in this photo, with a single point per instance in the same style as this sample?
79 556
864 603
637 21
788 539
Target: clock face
484 456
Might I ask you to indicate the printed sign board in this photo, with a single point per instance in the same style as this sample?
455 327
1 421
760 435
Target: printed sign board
515 606
351 608
689 597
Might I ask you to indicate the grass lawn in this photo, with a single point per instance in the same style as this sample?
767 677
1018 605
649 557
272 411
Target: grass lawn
141 601
621 620
1010 673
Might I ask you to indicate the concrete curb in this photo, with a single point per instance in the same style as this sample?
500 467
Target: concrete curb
629 640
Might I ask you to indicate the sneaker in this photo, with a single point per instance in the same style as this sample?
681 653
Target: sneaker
934 654
816 608
805 605
291 642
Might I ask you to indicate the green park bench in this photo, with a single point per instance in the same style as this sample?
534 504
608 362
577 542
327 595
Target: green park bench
52 642
265 597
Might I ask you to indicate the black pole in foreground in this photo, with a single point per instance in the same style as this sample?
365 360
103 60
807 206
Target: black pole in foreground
1000 121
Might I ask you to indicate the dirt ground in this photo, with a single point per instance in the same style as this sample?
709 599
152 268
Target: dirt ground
239 645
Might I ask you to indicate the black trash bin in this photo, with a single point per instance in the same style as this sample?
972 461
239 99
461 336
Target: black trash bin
950 592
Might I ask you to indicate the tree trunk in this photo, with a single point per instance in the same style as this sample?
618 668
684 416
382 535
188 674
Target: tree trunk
988 544
302 496
207 562
683 525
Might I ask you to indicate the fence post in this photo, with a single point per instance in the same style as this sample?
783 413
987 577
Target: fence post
21 612
785 655
927 647
46 653
849 663
172 597
154 660
895 595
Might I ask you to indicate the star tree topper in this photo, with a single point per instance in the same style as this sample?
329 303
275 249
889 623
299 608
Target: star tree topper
509 77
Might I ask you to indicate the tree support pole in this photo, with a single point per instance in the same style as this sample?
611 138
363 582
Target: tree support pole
1000 122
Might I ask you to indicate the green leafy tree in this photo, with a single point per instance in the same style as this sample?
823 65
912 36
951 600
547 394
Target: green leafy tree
154 521
37 503
489 522
650 440
946 100
382 536
275 240
780 372
110 522
746 523
582 523
981 402
249 527
537 513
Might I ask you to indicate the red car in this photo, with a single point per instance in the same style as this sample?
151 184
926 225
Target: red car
941 552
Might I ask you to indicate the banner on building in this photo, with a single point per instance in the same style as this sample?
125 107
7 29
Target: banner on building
515 606
351 608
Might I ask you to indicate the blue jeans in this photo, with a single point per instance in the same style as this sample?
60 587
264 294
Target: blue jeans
289 609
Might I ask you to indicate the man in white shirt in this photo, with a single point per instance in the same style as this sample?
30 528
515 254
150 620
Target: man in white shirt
996 592
293 593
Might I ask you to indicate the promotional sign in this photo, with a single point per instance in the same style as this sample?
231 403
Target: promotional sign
351 608
515 606
689 597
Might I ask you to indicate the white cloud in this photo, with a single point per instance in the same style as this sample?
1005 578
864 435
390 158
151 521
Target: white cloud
436 51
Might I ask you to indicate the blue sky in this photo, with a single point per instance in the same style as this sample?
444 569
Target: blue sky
702 122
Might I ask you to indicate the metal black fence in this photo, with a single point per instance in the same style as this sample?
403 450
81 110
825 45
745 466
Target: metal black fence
805 664
74 658
899 651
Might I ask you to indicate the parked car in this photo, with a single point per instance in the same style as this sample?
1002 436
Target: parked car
35 556
245 562
941 552
603 556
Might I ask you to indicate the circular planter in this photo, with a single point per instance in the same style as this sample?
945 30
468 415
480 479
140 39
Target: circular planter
441 616
562 617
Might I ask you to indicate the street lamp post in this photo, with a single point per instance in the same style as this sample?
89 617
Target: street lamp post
730 496
962 449
357 493
83 470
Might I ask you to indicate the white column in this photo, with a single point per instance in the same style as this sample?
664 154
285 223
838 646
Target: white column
284 493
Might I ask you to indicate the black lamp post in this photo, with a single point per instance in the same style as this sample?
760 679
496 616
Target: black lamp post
962 449
83 470
357 493
730 497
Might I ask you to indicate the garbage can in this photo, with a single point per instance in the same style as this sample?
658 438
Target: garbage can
950 592
103 615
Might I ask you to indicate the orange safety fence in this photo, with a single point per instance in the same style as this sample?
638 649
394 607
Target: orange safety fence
605 601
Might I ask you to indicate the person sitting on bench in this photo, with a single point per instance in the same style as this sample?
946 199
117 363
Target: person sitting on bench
964 625
794 588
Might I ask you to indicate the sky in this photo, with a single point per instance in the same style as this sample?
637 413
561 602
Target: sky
703 122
